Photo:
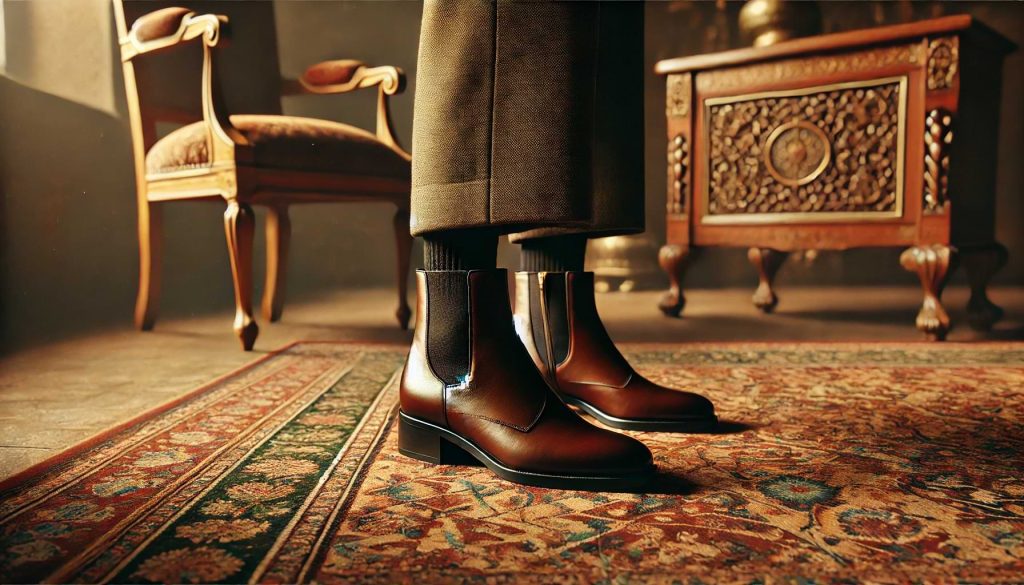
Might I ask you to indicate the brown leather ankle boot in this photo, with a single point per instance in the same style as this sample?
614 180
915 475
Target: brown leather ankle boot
469 387
556 319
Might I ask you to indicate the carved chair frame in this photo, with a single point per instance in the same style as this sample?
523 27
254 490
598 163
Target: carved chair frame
230 176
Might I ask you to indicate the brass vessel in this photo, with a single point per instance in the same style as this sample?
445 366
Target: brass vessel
766 22
624 263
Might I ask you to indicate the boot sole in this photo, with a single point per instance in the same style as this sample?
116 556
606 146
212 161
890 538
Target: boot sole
702 424
428 442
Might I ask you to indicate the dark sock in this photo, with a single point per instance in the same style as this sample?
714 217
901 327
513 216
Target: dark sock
553 254
447 256
460 250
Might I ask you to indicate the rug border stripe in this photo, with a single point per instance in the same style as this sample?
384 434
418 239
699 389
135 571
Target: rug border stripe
287 531
87 555
318 555
33 472
192 501
132 443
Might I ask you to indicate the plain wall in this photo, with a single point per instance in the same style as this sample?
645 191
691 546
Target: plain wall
67 215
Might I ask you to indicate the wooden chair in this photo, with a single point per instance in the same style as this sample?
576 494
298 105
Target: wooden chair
269 160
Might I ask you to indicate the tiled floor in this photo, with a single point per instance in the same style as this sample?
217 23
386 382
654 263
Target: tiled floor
54 396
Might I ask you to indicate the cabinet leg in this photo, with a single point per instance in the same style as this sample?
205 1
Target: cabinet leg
674 259
767 262
981 263
933 265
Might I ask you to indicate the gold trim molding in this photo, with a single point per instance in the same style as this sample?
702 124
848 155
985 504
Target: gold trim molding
733 78
938 135
943 62
678 163
677 95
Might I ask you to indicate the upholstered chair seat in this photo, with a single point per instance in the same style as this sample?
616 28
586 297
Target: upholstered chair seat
285 142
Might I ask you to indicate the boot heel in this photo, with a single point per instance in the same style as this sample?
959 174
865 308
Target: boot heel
418 441
425 443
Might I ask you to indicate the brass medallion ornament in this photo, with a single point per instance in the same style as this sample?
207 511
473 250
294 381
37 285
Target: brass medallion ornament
796 153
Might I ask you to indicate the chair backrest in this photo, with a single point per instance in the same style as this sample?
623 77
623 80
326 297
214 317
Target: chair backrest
165 86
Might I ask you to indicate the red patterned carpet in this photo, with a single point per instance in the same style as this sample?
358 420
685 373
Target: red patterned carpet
837 463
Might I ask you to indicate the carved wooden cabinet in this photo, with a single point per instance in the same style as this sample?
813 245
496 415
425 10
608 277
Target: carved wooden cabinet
879 137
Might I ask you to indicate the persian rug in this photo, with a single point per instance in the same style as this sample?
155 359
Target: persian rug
834 463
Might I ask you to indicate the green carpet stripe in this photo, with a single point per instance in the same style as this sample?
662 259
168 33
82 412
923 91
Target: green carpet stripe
242 515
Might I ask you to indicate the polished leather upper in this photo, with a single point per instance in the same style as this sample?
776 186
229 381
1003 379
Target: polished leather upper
597 373
505 407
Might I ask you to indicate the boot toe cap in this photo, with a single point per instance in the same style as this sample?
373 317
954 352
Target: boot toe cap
629 455
599 452
669 403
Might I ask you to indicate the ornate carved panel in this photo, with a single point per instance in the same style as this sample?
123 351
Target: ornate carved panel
678 163
811 154
938 135
805 67
677 95
943 62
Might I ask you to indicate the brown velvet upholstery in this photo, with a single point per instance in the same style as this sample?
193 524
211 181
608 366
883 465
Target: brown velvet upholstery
332 72
160 23
285 142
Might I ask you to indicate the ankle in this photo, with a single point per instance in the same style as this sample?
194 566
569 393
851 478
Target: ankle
553 254
460 250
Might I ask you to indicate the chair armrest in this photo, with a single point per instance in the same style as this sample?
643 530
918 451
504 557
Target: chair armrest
168 27
345 75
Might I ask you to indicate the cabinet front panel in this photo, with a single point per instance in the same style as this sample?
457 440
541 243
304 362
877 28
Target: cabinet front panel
828 153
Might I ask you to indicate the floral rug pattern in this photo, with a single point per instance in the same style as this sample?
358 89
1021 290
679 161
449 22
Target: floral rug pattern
835 463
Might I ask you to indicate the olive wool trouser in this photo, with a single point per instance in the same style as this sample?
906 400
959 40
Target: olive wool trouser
529 119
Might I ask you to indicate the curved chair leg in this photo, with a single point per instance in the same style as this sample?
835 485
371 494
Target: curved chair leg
403 245
150 242
279 235
239 224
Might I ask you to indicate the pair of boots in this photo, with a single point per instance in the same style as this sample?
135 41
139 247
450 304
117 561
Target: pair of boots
498 387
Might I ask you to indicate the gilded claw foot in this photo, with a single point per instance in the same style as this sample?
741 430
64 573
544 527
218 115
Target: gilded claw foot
674 259
767 262
933 320
933 264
